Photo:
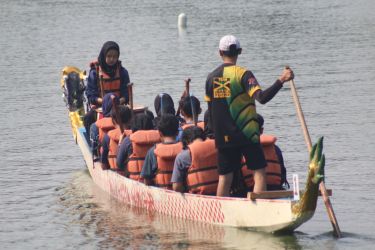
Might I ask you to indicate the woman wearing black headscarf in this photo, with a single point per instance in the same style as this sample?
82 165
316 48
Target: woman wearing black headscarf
115 77
106 75
163 104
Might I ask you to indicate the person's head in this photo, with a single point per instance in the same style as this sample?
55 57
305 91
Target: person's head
107 104
164 104
168 125
188 104
142 121
122 116
191 134
149 113
108 57
230 47
260 122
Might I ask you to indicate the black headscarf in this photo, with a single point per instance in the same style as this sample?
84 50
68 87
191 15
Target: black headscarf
110 70
164 105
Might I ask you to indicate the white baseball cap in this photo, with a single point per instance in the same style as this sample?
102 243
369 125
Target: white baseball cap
227 41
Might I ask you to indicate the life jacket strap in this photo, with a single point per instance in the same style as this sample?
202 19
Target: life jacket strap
136 158
134 173
202 169
202 184
164 172
110 79
273 161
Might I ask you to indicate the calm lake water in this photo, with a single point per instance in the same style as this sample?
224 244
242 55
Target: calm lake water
47 198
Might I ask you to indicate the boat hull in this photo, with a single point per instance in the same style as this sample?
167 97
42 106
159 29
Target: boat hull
268 215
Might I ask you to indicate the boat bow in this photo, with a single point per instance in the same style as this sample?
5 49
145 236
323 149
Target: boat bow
305 208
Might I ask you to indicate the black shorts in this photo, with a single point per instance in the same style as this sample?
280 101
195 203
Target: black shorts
230 159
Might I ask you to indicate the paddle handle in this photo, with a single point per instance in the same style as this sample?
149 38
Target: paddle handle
130 93
322 187
99 81
301 117
187 90
187 86
101 86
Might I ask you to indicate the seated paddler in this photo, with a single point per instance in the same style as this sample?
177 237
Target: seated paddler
133 148
163 104
103 125
195 168
106 75
190 108
158 165
121 119
275 170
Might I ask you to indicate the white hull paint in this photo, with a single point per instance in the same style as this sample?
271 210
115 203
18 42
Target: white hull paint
268 215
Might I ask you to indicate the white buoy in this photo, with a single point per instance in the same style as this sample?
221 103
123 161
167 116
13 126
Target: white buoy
182 20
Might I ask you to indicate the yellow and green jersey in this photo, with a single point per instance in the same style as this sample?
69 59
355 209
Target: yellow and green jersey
229 92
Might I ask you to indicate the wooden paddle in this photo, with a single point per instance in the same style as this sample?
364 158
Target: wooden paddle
130 93
187 86
186 93
101 86
187 89
322 186
195 118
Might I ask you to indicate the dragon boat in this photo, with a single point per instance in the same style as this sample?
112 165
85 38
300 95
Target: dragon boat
272 211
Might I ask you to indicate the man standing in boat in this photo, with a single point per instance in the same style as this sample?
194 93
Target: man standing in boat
231 92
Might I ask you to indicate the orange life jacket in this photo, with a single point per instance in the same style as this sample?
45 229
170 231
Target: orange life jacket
199 124
165 156
107 84
273 168
114 136
104 125
142 141
202 177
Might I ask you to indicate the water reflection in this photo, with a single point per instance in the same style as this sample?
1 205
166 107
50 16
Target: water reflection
182 32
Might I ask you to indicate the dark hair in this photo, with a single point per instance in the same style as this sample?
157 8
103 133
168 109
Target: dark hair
190 134
164 104
125 115
142 121
186 104
168 125
233 51
149 113
260 121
